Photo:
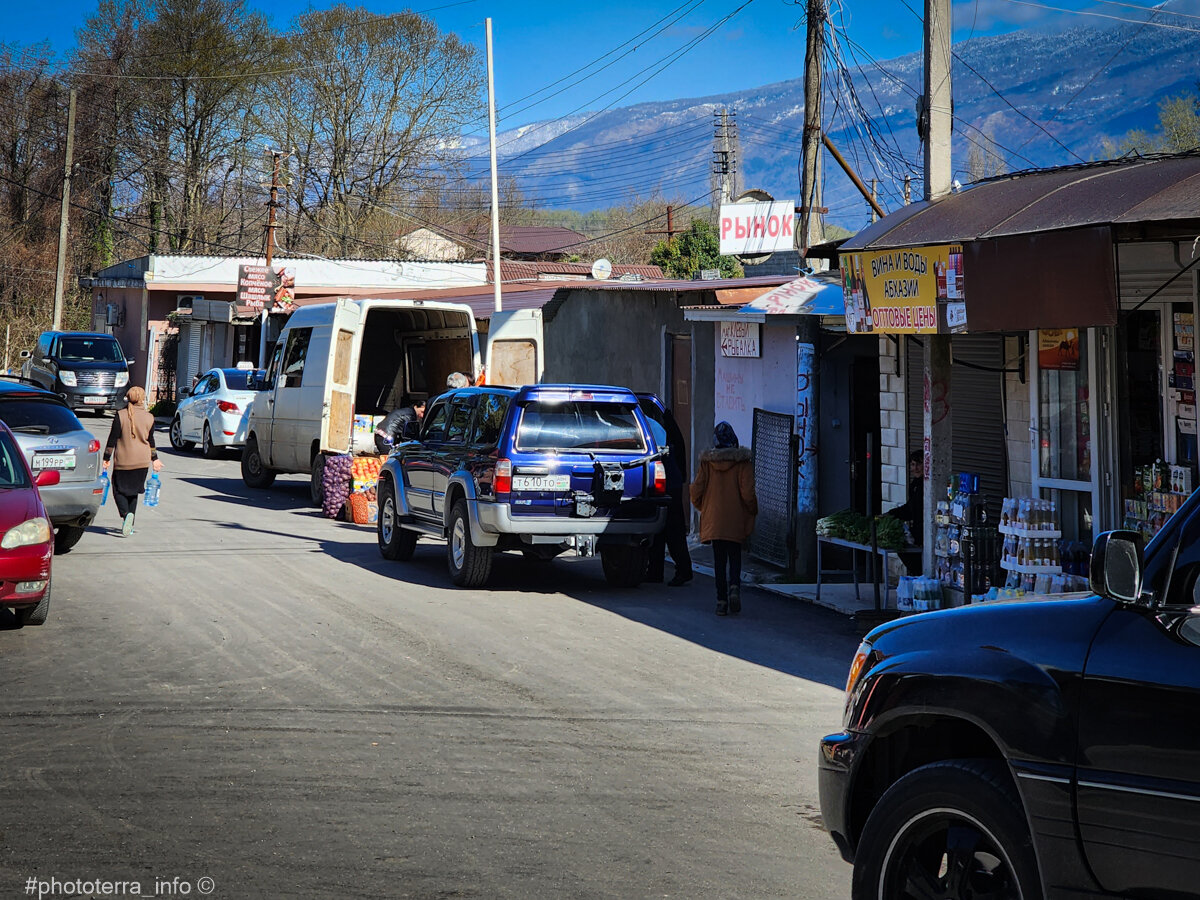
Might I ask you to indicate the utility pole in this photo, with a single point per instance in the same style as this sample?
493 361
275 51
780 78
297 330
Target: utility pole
874 199
938 418
811 231
670 231
60 275
496 263
272 204
725 156
907 190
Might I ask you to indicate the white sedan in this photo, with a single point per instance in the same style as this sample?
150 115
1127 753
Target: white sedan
212 413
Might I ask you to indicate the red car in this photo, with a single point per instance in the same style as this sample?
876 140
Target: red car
26 537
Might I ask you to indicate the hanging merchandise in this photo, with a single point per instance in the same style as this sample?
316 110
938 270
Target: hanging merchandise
966 547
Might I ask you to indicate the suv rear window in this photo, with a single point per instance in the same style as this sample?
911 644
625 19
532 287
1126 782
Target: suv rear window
579 425
86 349
28 416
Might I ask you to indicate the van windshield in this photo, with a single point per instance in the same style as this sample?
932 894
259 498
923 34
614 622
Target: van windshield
87 349
579 425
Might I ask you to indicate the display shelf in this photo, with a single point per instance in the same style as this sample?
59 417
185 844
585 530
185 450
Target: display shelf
1016 532
1010 566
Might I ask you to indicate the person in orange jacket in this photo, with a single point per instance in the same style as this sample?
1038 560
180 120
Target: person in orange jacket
724 493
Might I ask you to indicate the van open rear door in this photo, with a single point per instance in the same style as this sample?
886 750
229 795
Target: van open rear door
515 353
337 409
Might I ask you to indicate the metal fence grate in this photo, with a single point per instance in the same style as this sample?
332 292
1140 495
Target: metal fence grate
775 484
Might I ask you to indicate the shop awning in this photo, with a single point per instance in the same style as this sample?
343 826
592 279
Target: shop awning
1038 247
807 295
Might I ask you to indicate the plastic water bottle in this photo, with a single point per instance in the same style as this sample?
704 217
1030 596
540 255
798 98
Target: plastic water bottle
105 482
152 489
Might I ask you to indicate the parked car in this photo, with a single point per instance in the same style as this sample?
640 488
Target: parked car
542 469
88 368
51 437
1034 749
212 413
26 538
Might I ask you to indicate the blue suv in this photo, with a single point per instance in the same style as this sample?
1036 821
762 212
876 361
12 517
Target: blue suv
541 469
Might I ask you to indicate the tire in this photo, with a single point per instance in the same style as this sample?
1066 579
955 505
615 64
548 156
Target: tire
394 542
316 481
66 537
207 447
176 436
35 615
949 829
469 565
624 565
254 473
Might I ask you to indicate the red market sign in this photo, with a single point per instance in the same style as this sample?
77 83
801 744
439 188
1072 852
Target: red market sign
753 228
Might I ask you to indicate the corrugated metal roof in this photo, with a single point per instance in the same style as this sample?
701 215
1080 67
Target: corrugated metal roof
531 240
1115 192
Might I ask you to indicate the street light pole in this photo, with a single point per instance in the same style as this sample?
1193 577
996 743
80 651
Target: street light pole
271 205
495 190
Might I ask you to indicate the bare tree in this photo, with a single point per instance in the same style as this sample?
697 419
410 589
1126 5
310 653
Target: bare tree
372 112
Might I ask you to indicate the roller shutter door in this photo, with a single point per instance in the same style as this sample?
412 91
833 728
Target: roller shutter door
977 402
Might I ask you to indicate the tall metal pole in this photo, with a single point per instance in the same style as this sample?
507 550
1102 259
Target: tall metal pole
60 274
811 231
496 277
266 314
938 409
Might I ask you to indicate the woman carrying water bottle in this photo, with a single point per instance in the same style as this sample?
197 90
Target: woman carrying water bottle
131 451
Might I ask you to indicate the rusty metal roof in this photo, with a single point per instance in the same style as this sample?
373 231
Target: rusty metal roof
1126 191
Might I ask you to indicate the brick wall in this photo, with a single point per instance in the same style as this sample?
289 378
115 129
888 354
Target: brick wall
893 451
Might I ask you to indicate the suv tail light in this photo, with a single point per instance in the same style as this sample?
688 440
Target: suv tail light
94 446
660 477
502 483
226 406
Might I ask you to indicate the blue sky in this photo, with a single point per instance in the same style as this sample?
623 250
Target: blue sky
538 42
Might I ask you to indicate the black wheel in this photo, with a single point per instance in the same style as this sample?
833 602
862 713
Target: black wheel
34 615
469 565
254 473
66 537
394 542
316 481
176 435
624 564
210 450
950 830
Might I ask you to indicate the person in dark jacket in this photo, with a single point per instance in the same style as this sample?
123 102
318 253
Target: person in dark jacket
912 511
399 424
130 450
673 537
724 493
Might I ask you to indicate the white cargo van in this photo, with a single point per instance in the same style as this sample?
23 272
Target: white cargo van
351 357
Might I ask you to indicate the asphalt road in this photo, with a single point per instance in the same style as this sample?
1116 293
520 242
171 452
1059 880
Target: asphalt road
246 692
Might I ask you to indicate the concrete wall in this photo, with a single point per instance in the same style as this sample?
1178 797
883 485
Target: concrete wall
745 384
619 337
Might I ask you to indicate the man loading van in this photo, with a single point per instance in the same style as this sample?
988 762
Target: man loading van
400 424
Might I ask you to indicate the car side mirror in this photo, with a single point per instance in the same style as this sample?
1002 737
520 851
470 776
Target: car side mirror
47 477
129 360
1116 566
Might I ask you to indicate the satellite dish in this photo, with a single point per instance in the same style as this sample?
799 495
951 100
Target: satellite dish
601 269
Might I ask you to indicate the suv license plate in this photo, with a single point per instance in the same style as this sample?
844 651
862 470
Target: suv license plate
541 482
95 401
53 461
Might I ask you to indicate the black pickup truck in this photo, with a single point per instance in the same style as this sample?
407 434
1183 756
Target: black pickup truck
1031 749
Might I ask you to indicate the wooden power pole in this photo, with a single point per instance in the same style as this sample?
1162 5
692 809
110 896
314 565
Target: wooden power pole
60 274
272 205
670 231
811 231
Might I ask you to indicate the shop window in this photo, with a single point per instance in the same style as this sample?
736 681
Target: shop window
1064 417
